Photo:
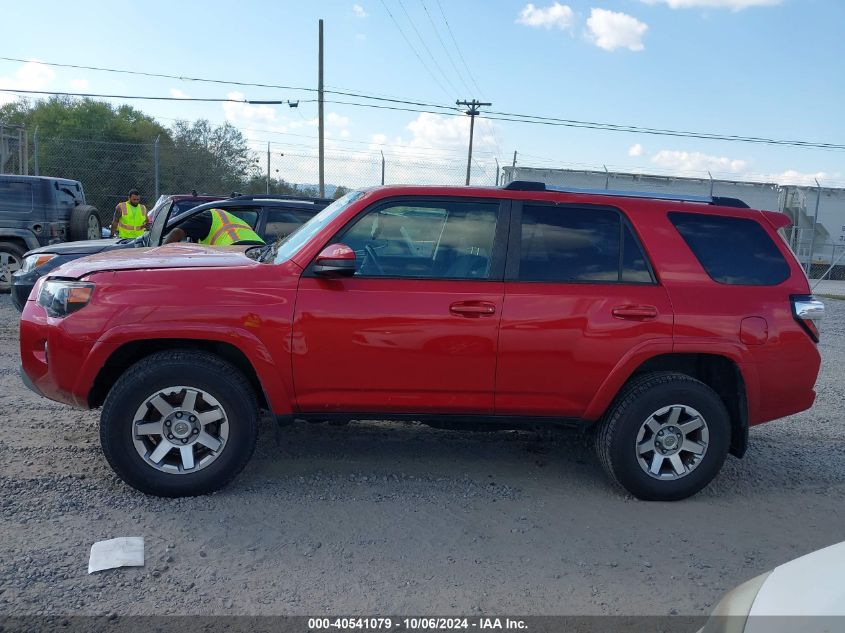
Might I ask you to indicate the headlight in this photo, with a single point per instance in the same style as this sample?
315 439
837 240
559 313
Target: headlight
31 262
61 298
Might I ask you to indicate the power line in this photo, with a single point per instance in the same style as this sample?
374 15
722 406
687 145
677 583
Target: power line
413 49
445 48
153 98
449 110
458 48
610 127
490 126
226 82
427 50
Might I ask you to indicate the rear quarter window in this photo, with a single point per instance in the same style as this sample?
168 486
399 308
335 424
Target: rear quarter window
734 251
16 196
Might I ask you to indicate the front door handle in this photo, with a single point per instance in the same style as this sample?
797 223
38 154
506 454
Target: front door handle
635 312
472 308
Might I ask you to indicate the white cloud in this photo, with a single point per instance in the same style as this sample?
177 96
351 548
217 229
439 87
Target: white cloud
733 5
635 150
333 119
696 163
611 30
79 84
178 94
555 15
359 11
793 177
32 75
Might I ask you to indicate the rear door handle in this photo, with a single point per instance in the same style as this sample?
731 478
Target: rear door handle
635 312
472 308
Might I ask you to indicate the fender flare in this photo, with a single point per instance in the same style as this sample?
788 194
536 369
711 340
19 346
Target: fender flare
638 355
277 391
27 236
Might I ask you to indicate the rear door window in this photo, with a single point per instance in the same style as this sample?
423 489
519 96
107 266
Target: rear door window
579 245
15 196
735 251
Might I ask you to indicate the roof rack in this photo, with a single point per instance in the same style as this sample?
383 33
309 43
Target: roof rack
530 185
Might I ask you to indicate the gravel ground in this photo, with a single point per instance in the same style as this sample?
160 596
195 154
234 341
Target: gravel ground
380 518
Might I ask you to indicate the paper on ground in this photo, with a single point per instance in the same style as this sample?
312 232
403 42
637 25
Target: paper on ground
127 551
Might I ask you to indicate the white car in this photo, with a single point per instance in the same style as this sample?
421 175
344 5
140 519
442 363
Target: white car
806 595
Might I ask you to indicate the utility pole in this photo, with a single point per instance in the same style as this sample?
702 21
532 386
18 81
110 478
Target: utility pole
473 112
320 115
268 168
382 168
497 171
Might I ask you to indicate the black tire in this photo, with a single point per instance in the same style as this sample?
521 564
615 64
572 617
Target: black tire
11 259
193 369
82 220
617 436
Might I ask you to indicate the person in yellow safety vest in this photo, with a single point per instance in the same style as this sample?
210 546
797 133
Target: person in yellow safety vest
130 217
214 227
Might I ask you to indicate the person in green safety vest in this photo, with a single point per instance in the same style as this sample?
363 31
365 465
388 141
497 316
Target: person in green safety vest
130 217
214 227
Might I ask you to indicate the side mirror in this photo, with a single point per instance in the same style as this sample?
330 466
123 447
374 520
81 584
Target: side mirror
336 260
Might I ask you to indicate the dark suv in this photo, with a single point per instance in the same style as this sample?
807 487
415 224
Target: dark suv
663 326
35 211
272 217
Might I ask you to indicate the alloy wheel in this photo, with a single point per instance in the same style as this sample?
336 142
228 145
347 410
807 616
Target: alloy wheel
93 227
672 441
9 263
180 430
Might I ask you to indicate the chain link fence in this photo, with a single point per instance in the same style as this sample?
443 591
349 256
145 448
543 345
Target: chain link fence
108 170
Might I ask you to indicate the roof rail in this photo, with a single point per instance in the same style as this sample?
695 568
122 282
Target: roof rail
530 185
273 196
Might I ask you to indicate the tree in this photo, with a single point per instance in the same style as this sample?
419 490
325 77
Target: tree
340 191
201 156
108 148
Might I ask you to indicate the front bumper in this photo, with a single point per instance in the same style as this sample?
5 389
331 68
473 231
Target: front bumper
28 383
22 286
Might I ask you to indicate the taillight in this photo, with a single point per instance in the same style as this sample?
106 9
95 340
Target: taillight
809 312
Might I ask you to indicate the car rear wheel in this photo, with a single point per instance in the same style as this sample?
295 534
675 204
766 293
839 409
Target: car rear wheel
85 223
665 437
11 259
179 423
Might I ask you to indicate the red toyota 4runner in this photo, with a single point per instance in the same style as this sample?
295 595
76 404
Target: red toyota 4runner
664 325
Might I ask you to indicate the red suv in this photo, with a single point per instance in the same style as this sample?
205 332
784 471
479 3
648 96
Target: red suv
665 326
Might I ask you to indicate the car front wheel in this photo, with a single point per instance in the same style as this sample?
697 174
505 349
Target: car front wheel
665 437
179 423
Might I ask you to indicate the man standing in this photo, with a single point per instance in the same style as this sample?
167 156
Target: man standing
214 227
130 217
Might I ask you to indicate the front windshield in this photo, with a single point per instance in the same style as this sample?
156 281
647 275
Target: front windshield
284 249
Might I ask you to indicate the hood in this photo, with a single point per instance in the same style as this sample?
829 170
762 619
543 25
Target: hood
813 585
170 256
86 247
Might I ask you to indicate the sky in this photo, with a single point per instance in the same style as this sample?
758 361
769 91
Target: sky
766 68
